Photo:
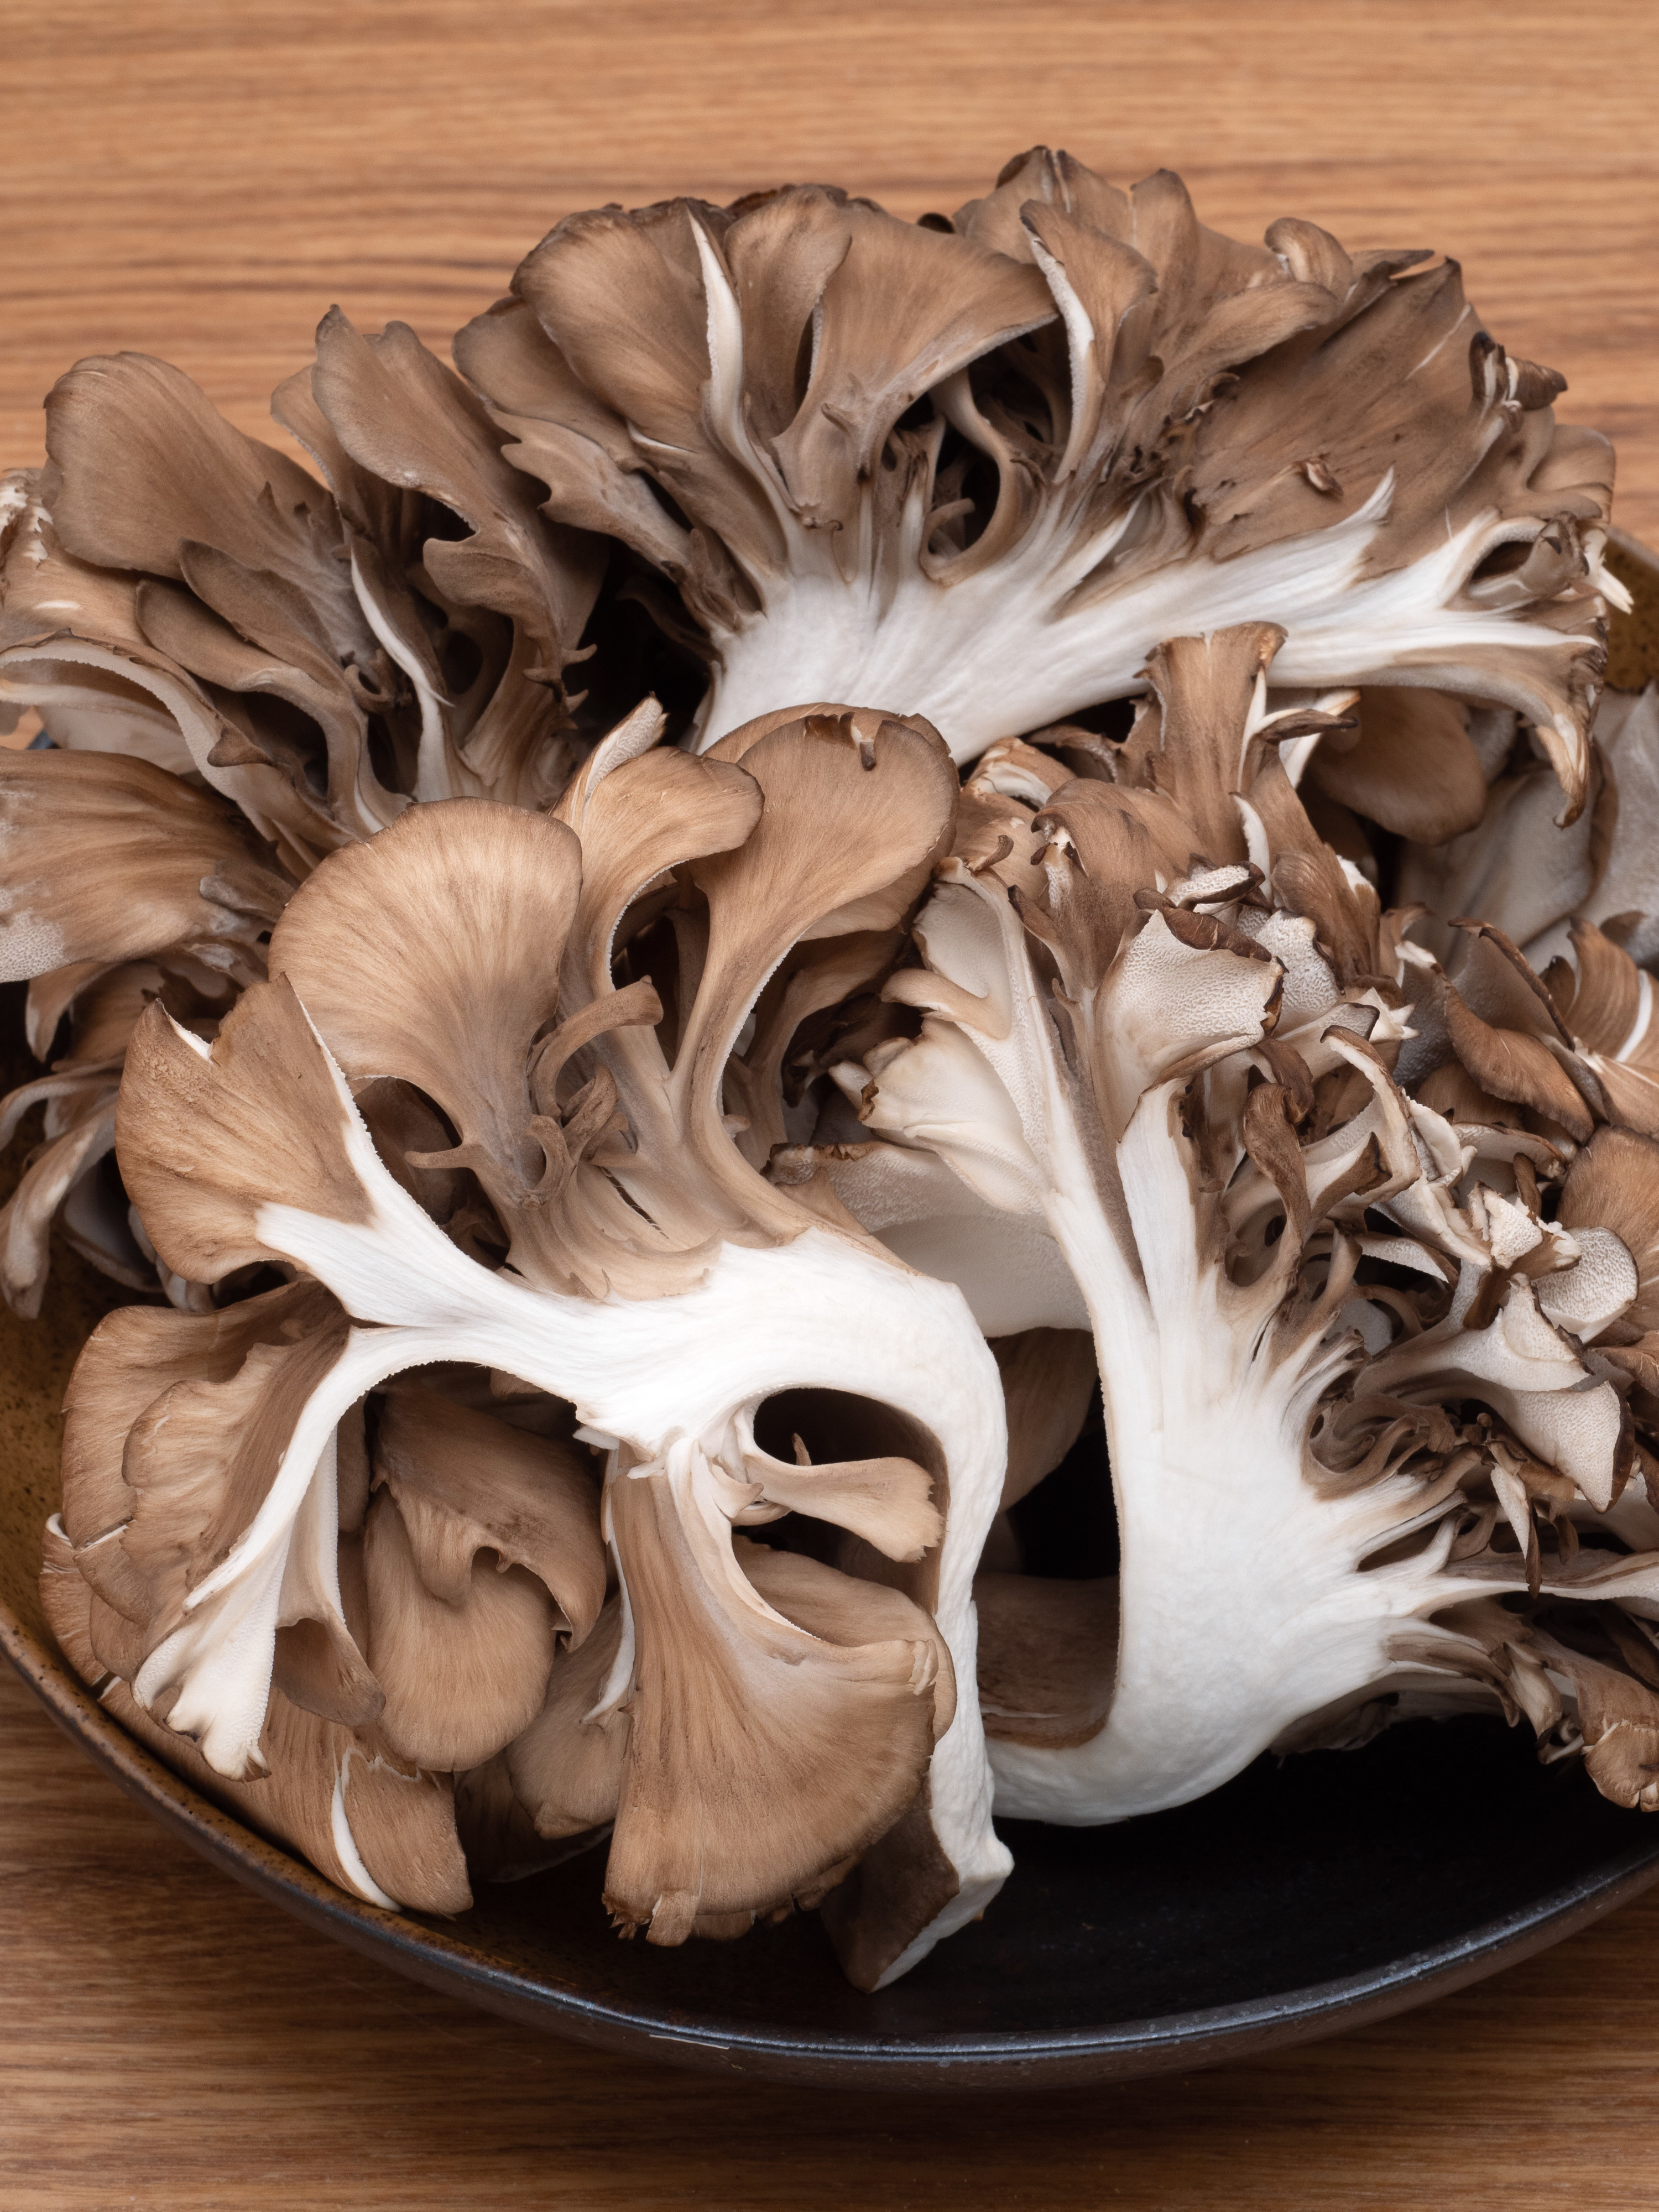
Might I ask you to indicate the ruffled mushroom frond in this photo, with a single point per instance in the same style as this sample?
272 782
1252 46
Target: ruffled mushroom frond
222 593
179 590
366 1818
409 453
1094 420
752 363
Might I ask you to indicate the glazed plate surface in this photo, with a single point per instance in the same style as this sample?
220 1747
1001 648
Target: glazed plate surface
1300 1900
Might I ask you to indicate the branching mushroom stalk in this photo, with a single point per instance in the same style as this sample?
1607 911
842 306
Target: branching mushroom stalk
978 468
458 972
1158 1019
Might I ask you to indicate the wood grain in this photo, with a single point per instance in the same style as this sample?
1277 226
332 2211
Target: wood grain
200 179
174 2044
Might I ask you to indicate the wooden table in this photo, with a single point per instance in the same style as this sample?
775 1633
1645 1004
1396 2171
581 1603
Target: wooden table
200 179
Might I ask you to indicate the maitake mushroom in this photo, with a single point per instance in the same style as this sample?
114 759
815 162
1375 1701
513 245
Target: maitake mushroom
1342 1332
978 468
622 1221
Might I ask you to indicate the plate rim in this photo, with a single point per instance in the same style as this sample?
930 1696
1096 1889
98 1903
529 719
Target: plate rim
1161 2042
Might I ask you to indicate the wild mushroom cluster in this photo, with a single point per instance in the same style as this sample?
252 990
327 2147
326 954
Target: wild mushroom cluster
1092 921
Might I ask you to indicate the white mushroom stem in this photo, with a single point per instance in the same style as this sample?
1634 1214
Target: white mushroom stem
865 620
651 1373
853 613
1244 1605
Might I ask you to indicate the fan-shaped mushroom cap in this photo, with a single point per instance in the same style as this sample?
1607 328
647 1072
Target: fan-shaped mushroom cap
758 1761
1182 431
463 1648
463 1675
465 1484
1410 765
460 911
565 1768
110 859
366 1819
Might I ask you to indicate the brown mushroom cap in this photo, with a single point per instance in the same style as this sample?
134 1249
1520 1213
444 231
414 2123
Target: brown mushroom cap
111 859
363 1818
782 1718
464 1649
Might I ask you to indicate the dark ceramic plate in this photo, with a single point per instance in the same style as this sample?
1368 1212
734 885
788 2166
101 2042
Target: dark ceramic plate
1298 1901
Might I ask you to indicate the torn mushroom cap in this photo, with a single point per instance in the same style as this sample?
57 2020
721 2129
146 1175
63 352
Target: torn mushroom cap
1180 430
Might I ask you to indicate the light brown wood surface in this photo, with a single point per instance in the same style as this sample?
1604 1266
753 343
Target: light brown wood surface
201 179
167 2041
